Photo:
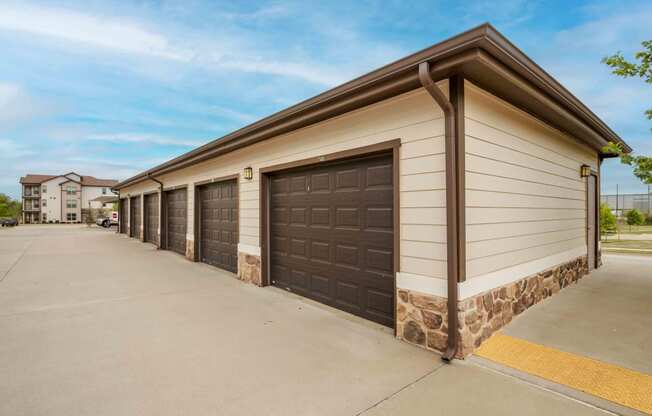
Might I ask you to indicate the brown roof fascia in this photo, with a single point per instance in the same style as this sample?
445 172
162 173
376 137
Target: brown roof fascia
504 50
388 81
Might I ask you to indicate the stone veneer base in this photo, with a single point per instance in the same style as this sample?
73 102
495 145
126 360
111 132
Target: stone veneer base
190 250
249 268
422 319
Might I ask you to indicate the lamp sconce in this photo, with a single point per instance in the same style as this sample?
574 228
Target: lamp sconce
248 173
585 171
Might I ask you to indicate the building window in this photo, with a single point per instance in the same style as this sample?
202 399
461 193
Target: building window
71 216
35 190
71 190
71 203
45 202
103 191
44 189
45 217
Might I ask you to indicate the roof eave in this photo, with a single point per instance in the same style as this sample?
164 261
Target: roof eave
390 80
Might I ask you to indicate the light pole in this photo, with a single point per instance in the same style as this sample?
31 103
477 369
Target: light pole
617 201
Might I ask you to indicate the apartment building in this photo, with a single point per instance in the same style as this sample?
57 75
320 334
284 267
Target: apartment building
61 198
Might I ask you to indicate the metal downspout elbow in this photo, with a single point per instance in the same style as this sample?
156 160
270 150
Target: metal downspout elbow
452 220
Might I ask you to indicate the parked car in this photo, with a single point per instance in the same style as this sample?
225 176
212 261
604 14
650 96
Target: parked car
8 222
103 222
114 218
107 222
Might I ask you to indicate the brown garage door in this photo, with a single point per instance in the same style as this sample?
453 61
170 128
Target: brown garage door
176 212
136 218
124 216
218 215
151 218
332 236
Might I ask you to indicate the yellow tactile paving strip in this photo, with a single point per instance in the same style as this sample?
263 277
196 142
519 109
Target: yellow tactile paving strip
616 384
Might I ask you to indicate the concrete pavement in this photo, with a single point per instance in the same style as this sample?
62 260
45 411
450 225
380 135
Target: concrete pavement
607 316
95 323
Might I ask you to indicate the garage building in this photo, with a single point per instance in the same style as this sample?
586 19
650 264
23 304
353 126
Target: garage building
462 177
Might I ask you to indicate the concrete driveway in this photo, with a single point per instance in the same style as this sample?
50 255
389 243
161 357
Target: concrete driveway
94 323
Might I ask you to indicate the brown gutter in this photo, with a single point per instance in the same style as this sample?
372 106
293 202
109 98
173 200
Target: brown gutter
393 79
452 231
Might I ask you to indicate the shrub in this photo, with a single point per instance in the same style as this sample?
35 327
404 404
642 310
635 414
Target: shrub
634 217
607 220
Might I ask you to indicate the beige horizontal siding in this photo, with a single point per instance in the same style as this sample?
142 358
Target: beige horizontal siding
428 199
423 181
423 147
525 199
423 164
484 165
423 267
483 215
424 249
519 198
486 248
429 215
491 232
495 183
413 118
477 267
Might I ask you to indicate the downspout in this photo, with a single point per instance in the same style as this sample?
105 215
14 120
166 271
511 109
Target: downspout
452 231
160 205
160 184
120 210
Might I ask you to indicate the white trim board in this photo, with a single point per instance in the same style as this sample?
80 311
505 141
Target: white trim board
246 248
483 283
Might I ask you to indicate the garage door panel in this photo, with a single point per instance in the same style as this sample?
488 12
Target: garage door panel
124 216
177 218
348 293
379 176
380 302
331 235
218 207
136 216
151 218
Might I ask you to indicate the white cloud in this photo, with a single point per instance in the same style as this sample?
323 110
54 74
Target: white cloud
17 105
233 115
608 32
574 58
146 138
86 29
9 149
233 51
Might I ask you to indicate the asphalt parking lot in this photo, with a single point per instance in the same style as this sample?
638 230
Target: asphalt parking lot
95 323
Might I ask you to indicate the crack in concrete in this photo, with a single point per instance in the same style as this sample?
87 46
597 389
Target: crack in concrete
434 370
6 273
96 302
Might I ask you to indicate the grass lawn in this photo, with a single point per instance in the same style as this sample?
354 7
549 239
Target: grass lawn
635 229
629 246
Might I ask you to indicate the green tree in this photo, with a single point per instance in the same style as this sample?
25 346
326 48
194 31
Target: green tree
648 220
634 217
9 207
642 68
607 220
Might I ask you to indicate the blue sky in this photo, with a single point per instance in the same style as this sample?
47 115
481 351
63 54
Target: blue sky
111 88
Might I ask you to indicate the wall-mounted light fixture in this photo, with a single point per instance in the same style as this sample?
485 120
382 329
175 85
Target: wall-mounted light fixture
585 171
248 173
